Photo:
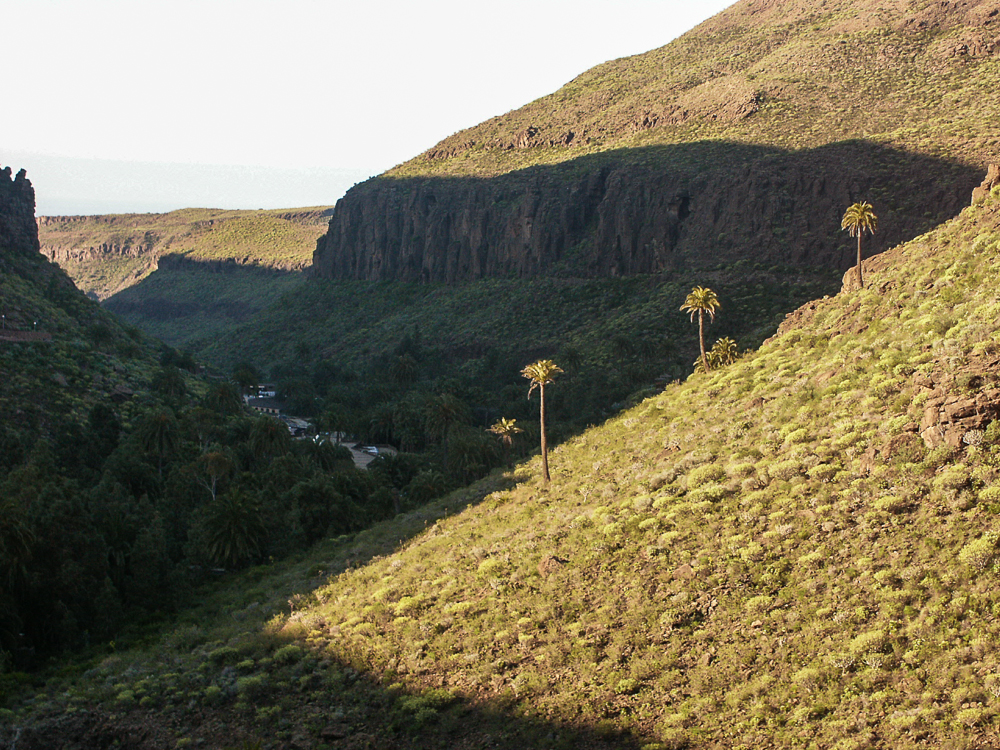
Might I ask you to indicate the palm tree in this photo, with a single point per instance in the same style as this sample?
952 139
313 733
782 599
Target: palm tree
723 353
858 218
442 413
246 376
223 398
235 529
16 542
701 300
404 370
540 374
269 439
159 433
505 429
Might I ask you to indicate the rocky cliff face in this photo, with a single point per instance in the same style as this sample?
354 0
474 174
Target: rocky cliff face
650 210
33 291
18 231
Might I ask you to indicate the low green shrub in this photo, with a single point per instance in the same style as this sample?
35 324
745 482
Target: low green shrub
979 554
712 473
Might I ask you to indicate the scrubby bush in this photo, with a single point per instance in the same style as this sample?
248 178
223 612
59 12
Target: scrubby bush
979 554
952 479
785 470
712 473
890 504
288 654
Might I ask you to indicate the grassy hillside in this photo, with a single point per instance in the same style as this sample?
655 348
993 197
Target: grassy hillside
797 550
103 253
198 271
791 74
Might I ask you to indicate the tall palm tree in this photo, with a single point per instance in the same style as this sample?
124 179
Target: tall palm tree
701 300
16 542
540 374
246 376
223 398
505 429
269 438
404 370
858 218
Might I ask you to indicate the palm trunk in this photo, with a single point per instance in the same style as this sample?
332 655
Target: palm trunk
701 339
861 282
545 446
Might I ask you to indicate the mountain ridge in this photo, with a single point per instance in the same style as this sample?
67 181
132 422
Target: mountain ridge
910 78
106 254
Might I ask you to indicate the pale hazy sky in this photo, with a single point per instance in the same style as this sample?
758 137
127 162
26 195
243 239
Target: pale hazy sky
292 101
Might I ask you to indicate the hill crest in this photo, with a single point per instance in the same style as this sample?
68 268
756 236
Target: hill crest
664 160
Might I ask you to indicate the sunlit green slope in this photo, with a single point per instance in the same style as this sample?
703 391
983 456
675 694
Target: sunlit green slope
770 553
913 75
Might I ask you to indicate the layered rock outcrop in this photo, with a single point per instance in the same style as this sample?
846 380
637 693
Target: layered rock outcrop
953 419
640 211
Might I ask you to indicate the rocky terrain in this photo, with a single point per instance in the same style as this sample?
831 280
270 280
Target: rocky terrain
742 140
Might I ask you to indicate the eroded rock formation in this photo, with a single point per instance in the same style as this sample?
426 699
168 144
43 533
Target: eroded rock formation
991 181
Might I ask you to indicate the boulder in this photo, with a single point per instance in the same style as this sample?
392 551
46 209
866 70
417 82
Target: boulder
991 181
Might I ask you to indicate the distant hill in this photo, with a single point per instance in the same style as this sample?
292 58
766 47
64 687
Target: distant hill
189 272
744 138
106 254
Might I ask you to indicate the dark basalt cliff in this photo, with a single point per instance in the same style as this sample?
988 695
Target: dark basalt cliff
18 231
652 210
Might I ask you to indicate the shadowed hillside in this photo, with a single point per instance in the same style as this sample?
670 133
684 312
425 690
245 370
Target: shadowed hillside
185 301
60 353
189 273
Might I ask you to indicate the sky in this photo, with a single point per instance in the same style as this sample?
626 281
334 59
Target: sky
146 105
